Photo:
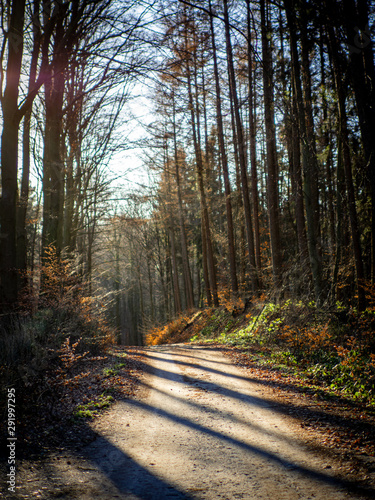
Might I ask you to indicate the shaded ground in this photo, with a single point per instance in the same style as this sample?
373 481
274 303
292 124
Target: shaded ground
50 421
201 427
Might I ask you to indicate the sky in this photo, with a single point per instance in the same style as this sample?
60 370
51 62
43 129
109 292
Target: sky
127 165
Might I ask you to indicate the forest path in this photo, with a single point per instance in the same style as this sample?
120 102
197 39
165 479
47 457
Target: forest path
199 428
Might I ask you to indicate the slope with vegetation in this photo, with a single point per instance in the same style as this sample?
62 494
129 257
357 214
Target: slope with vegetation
334 348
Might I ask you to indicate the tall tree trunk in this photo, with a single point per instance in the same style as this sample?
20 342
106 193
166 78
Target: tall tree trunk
172 241
252 133
296 175
309 120
176 284
53 163
241 233
184 247
362 72
327 146
169 274
272 166
224 161
241 153
309 162
117 240
150 289
294 156
24 195
72 154
206 231
344 139
9 159
53 168
339 219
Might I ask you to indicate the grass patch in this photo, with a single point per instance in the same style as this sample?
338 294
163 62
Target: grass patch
114 370
92 408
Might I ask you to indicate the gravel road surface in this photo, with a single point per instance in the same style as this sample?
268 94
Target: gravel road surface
199 428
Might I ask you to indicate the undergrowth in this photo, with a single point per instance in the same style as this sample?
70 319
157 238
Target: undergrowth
43 349
91 409
163 334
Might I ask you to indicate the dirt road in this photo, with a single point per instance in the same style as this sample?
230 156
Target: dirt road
200 428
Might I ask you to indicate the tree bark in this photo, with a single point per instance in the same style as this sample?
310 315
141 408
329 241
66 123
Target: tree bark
296 174
224 161
362 72
272 166
252 142
241 154
172 241
206 231
344 139
184 247
309 162
339 219
241 234
21 242
53 164
294 157
9 159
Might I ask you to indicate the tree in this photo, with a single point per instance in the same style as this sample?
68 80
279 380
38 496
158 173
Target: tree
184 246
272 167
9 154
309 160
208 254
252 135
224 161
241 153
345 152
362 73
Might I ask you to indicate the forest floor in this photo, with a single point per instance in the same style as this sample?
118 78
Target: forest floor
196 421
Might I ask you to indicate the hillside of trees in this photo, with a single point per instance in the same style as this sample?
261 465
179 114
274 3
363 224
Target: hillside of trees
260 154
